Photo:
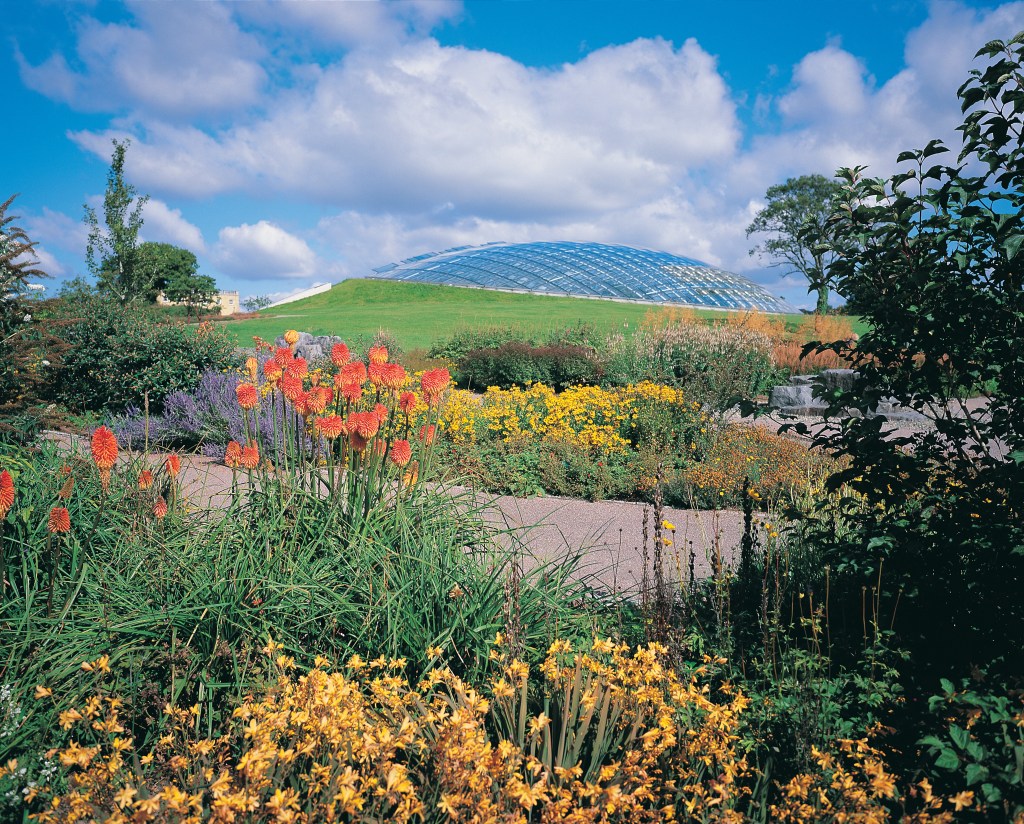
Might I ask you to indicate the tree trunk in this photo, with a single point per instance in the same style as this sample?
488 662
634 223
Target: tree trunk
822 307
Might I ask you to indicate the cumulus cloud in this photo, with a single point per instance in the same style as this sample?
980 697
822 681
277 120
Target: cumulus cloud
426 125
173 60
409 146
352 24
163 224
263 251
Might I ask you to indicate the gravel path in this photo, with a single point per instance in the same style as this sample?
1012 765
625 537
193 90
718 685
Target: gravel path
608 533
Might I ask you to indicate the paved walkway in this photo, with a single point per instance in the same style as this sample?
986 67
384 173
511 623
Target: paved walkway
608 533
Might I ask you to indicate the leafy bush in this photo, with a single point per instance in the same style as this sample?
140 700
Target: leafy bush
116 356
713 364
520 364
467 340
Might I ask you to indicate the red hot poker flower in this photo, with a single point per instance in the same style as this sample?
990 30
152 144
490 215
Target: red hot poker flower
250 457
401 453
59 521
6 493
160 508
233 454
318 398
330 427
252 367
291 387
173 465
354 373
351 392
434 382
381 411
248 396
407 402
145 479
427 434
363 424
388 375
104 448
283 356
272 371
340 354
377 354
298 367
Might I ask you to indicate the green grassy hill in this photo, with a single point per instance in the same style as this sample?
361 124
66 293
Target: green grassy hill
418 314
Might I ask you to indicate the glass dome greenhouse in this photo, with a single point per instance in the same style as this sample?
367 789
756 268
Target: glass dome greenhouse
591 270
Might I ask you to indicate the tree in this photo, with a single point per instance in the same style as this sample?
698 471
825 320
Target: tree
17 261
796 218
254 303
933 257
23 365
195 291
113 253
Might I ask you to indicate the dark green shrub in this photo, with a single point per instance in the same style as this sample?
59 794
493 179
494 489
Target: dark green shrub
575 472
115 356
467 340
519 364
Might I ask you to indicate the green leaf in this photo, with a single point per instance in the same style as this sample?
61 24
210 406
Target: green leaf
1012 245
960 736
975 773
947 760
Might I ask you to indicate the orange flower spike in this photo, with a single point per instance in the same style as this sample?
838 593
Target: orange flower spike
381 411
272 371
291 337
401 453
434 383
173 465
250 457
407 402
283 356
59 521
354 373
160 508
297 367
291 387
6 493
330 427
377 354
145 479
252 366
340 354
379 448
363 424
248 395
351 392
318 399
104 448
233 454
388 375
427 434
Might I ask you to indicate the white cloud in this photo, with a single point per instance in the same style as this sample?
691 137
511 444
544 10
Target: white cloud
47 263
352 24
427 125
176 60
263 251
57 230
163 224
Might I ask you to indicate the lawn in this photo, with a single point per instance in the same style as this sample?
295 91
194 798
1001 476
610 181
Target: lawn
419 314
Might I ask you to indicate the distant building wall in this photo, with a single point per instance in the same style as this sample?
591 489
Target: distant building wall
226 302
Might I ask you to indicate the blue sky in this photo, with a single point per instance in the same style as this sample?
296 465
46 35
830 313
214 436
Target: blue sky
288 144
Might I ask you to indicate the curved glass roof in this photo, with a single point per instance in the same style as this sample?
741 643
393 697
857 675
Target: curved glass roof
595 270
